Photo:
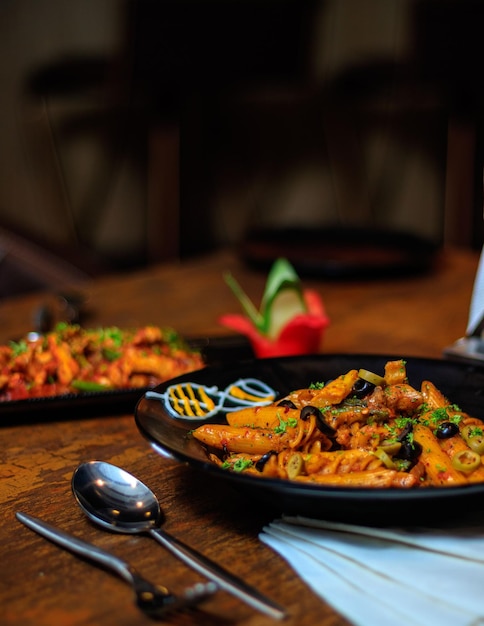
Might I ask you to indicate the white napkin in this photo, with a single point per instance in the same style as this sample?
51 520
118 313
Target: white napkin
476 309
396 577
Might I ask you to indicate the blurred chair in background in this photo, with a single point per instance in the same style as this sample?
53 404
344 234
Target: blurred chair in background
206 112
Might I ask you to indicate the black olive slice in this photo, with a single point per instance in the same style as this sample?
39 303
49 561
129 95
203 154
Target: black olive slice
287 403
445 430
362 388
408 428
259 465
409 451
325 428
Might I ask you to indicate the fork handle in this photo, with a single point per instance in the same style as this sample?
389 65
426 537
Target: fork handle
224 579
79 547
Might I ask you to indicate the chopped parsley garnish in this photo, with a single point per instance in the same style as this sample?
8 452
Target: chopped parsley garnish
283 424
391 429
442 415
111 355
401 422
456 419
238 466
319 385
401 465
475 432
172 337
18 347
62 326
439 415
114 334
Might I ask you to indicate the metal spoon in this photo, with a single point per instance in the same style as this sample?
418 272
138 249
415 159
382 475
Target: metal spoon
118 501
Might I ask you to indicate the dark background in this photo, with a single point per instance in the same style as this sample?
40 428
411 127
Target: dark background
136 131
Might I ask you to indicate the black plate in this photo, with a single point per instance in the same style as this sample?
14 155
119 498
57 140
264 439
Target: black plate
70 406
463 384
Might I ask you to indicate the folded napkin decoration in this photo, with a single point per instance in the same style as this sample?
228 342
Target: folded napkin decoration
476 309
470 348
398 577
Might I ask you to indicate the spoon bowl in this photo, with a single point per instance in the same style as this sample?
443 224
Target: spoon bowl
115 499
118 501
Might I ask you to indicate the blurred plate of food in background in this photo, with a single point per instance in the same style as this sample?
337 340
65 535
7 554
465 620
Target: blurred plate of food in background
71 370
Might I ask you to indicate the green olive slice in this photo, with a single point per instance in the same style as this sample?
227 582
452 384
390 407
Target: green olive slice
295 465
391 447
466 460
371 377
475 440
385 458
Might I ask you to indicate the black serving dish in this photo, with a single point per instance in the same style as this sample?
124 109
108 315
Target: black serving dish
463 384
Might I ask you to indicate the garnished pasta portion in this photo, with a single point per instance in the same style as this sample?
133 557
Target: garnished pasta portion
71 359
358 430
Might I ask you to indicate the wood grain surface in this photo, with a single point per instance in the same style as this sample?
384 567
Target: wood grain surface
42 585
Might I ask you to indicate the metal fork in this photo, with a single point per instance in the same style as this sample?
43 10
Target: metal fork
154 600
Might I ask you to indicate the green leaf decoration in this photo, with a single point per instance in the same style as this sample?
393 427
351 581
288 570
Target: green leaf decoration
281 301
244 300
283 297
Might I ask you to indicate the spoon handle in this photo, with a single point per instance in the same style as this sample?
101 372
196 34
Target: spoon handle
224 579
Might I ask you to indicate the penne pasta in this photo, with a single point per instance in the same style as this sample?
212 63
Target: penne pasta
332 393
262 416
374 478
342 462
358 430
432 396
437 463
456 445
241 439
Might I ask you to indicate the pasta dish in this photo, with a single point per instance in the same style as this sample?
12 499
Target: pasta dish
71 359
359 430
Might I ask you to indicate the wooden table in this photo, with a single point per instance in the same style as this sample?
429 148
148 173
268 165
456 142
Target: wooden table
41 584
